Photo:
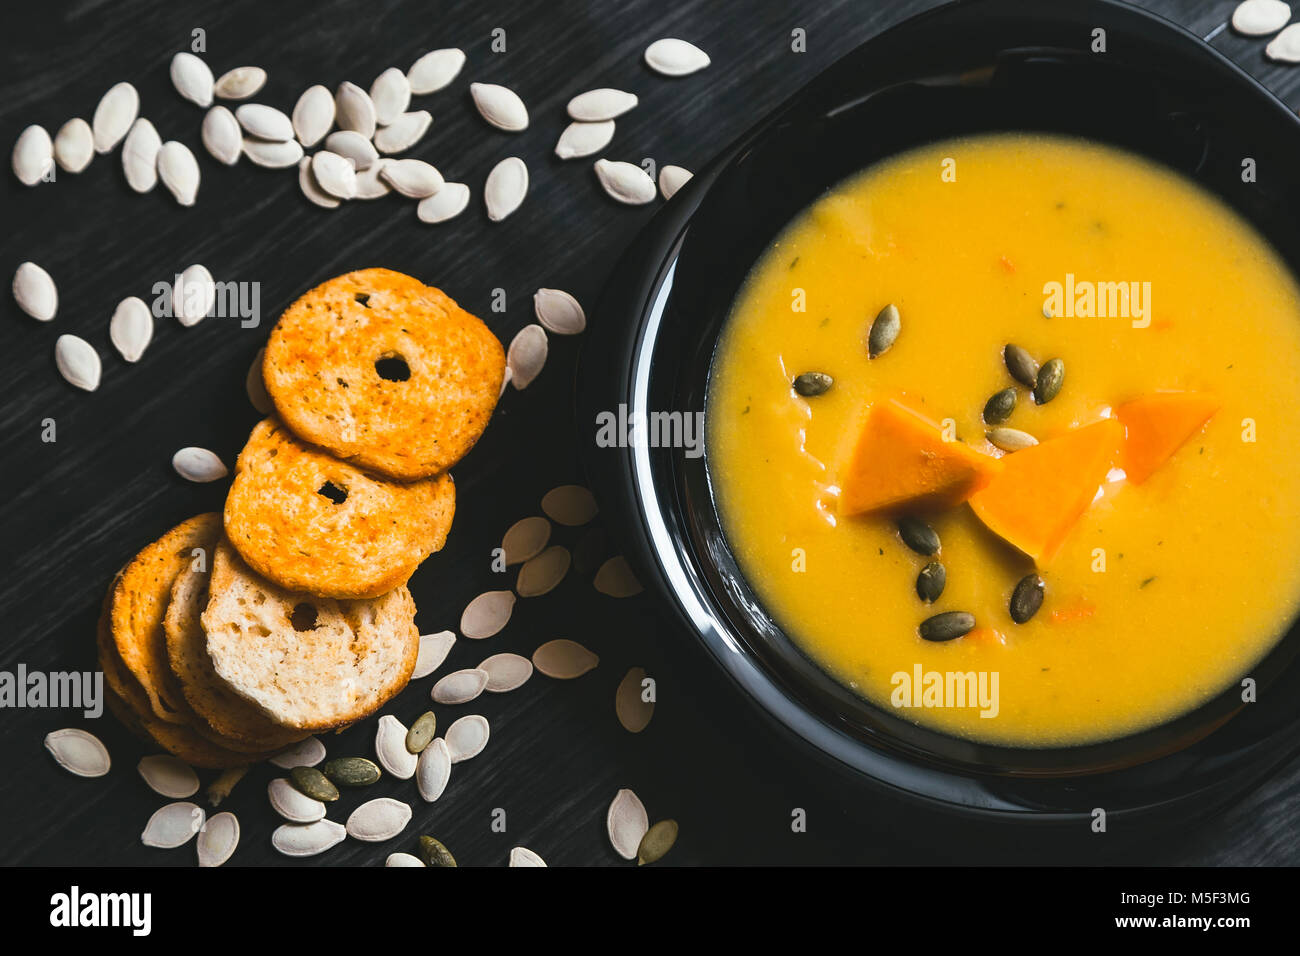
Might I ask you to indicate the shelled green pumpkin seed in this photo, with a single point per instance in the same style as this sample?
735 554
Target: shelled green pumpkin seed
351 771
1050 379
1027 598
884 331
812 384
314 784
433 853
1000 406
1021 365
947 626
421 732
918 535
930 582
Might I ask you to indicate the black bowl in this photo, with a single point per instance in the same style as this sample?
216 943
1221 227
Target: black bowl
966 68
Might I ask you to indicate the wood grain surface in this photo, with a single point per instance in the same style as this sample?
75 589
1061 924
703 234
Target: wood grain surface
73 511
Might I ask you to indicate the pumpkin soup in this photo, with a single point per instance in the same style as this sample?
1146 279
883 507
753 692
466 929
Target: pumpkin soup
1024 409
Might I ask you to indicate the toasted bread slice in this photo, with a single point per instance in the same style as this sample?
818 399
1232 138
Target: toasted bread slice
310 663
307 521
385 372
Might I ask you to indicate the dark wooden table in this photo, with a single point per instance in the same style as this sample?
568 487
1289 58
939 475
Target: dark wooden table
71 512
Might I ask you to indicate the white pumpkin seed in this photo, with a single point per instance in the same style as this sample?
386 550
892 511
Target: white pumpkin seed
404 132
1257 18
626 823
447 203
525 539
1285 47
379 819
298 839
292 804
353 147
413 178
370 181
311 188
221 135
506 672
487 614
131 328
542 574
506 187
240 83
179 171
334 174
570 505
354 110
671 179
193 295
192 78
459 687
433 770
467 737
255 385
505 380
434 70
500 106
173 825
169 776
74 145
563 659
218 838
306 753
313 115
391 95
522 856
596 106
559 312
114 116
33 155
35 292
632 710
198 465
140 156
264 122
625 182
403 859
434 649
273 155
77 362
526 355
673 57
616 579
390 748
78 752
584 139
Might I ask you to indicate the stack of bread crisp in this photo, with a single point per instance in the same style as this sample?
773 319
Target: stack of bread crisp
236 635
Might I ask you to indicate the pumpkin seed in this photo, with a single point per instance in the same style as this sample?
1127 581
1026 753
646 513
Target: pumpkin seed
447 203
313 115
297 839
434 853
179 171
390 748
198 465
671 179
240 83
193 295
273 155
168 776
404 132
312 189
584 139
1021 365
421 732
413 178
74 145
379 819
487 614
351 771
1260 17
947 626
434 649
292 804
522 856
1285 47
33 155
526 355
314 784
1010 439
224 785
1050 379
371 185
256 387
506 672
173 825
114 116
192 79
559 312
459 687
930 582
500 106
354 110
1027 598
35 292
810 384
570 505
884 331
564 659
308 753
615 579
1000 406
505 188
434 70
918 535
78 752
595 106
630 706
334 174
218 838
673 57
77 362
353 147
625 182
467 737
433 770
391 95
525 539
543 574
221 136
403 859
140 156
658 840
626 823
264 122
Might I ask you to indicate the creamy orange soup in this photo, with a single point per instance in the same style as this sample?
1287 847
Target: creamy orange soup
1162 593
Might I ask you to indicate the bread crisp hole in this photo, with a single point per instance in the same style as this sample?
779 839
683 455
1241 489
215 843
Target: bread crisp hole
363 298
303 617
333 492
393 368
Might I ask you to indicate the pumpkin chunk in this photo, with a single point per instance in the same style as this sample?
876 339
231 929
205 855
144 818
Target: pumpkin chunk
1158 425
901 460
1043 490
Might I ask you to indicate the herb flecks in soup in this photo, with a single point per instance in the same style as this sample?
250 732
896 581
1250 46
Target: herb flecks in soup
1035 425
